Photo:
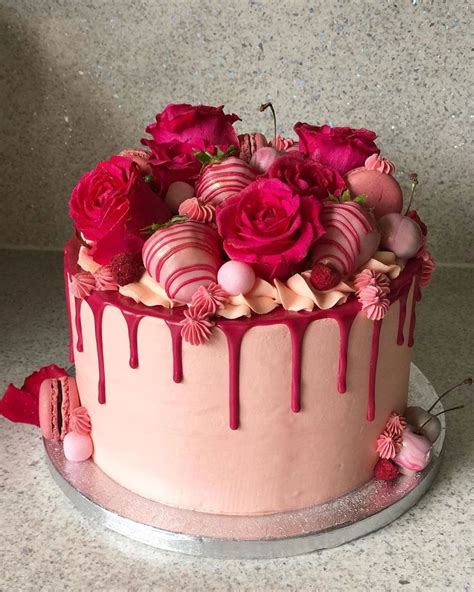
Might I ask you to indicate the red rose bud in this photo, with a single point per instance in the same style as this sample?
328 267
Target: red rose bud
413 214
307 177
127 268
323 277
385 470
340 148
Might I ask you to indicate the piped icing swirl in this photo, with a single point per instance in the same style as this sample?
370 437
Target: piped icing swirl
82 284
195 209
80 421
380 164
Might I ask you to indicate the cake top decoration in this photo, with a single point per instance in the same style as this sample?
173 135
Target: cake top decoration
316 219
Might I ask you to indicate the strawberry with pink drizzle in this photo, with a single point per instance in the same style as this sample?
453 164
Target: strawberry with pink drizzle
351 237
222 180
182 257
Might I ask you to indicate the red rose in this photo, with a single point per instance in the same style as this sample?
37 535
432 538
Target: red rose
269 226
341 148
307 177
172 162
112 203
200 126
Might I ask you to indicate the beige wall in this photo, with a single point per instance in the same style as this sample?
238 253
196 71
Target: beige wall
80 80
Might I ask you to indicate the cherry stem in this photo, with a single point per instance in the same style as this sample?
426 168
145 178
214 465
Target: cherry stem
264 107
465 381
414 183
448 410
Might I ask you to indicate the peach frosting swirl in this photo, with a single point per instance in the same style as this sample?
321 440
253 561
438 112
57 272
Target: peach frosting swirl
295 294
388 445
376 163
395 425
80 421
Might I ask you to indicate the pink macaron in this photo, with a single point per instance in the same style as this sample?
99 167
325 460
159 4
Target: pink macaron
57 398
382 191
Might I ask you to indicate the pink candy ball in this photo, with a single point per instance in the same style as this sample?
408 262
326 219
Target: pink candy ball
401 235
236 277
263 159
178 192
77 447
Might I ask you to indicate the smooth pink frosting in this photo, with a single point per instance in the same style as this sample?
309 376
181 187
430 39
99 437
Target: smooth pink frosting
195 328
105 279
82 284
80 421
376 163
388 445
374 301
395 425
195 209
206 300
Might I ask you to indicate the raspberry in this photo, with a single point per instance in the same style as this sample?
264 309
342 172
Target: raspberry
323 277
413 214
127 267
385 470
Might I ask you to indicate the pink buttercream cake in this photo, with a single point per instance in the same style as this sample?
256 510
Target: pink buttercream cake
242 317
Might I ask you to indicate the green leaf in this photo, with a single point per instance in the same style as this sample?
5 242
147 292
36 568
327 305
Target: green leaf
206 158
148 178
360 199
346 196
154 227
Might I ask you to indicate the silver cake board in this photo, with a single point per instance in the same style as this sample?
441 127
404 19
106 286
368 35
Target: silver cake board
339 521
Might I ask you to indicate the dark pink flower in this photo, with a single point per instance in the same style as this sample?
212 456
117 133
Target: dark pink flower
180 131
307 177
112 203
269 226
341 148
200 126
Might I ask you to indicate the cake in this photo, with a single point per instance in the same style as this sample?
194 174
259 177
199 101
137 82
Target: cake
242 317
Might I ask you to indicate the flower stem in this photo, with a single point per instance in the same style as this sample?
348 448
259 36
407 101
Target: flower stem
264 107
414 183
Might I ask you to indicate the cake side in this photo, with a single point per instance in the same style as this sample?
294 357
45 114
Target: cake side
163 427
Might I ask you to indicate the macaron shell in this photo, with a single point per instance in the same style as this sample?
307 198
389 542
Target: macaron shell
48 409
70 401
383 192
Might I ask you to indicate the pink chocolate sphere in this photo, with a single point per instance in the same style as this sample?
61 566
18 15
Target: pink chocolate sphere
383 192
178 192
263 159
236 277
77 447
401 235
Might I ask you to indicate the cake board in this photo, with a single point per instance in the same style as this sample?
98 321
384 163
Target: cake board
356 514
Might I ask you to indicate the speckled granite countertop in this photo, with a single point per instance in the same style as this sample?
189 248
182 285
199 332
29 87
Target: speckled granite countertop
45 544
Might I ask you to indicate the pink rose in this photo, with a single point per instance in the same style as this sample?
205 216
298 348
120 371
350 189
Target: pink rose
172 162
200 126
111 204
307 177
179 131
269 226
341 148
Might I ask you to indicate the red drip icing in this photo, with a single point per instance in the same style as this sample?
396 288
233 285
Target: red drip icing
402 317
374 356
234 334
77 314
297 331
236 329
98 306
177 344
68 304
132 325
345 325
415 299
